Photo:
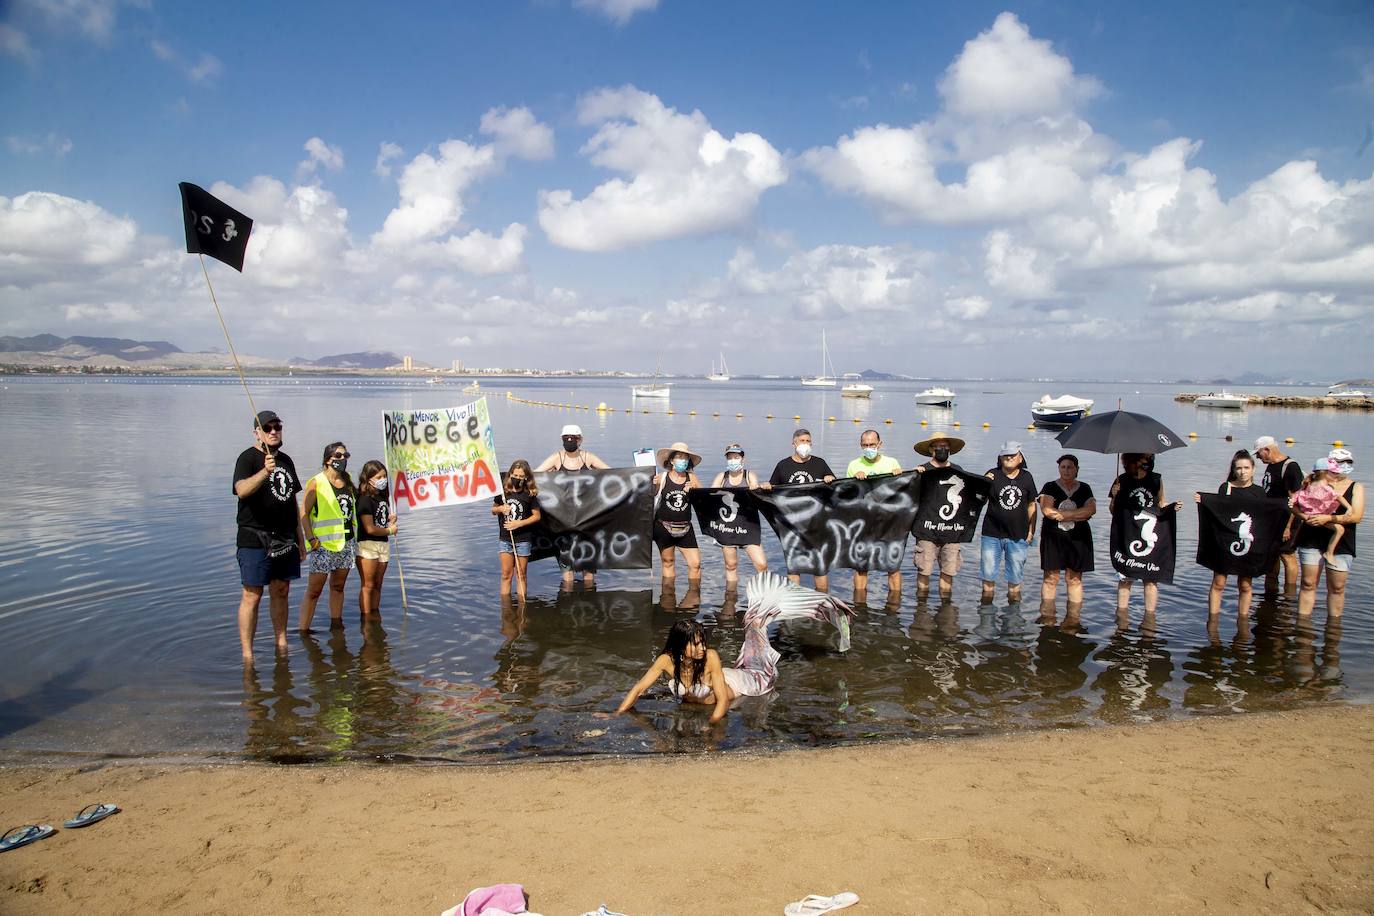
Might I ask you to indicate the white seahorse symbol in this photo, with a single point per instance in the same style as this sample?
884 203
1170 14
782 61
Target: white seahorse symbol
229 230
731 510
951 508
1146 544
1246 534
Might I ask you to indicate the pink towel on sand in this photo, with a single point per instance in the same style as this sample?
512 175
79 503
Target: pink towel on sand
505 898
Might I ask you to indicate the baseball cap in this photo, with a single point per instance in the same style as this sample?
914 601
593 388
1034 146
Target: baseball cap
265 417
1265 442
1324 464
1011 447
572 429
734 448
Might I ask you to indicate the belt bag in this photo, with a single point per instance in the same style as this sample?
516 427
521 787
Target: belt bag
275 544
676 529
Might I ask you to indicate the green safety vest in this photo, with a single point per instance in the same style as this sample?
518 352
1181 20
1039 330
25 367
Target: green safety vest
327 518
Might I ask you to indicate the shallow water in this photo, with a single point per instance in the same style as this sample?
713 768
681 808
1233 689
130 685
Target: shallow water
118 589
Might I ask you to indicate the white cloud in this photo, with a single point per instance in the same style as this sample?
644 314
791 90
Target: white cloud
685 178
431 188
204 71
518 133
321 155
43 231
33 146
833 279
299 235
968 308
618 11
480 253
385 153
94 19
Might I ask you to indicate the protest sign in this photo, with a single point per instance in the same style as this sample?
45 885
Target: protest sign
727 515
848 524
1143 543
950 502
595 519
1239 535
441 457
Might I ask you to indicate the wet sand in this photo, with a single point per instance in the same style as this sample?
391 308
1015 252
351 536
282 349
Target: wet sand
1258 813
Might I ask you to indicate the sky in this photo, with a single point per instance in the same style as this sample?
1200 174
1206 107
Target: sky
1039 190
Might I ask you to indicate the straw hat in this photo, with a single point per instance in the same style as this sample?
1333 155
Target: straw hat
955 444
661 456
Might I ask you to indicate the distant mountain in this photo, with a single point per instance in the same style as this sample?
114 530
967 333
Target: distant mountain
873 375
85 347
369 359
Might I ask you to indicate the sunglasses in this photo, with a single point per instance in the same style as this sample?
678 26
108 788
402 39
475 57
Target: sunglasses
519 479
343 455
272 428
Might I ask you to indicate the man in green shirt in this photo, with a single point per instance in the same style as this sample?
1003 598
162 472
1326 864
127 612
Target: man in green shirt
872 463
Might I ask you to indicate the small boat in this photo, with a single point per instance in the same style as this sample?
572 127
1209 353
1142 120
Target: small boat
654 389
1342 393
434 380
723 375
1064 410
935 397
472 387
823 380
1224 401
855 386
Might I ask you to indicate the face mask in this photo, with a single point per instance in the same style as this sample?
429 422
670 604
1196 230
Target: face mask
871 454
734 464
379 484
680 465
569 443
517 483
940 454
339 464
804 449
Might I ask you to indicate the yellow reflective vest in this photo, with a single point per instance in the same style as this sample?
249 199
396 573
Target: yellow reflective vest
327 518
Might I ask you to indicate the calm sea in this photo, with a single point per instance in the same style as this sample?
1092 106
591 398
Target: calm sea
119 589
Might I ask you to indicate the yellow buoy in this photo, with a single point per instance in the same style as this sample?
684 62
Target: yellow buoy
956 424
987 425
739 416
716 414
796 416
1338 444
923 422
1192 435
646 411
691 413
831 419
1030 426
601 408
888 421
1288 441
768 416
670 413
856 419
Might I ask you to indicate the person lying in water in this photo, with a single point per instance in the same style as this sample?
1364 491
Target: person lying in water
695 672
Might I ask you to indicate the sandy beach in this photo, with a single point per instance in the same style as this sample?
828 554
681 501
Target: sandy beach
1260 813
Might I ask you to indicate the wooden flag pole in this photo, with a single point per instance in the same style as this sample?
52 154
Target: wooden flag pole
232 352
405 605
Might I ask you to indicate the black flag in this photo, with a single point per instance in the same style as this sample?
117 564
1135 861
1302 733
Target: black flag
1239 535
848 524
213 227
951 501
1144 543
727 515
595 519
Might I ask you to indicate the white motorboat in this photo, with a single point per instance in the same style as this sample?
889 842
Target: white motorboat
827 377
1342 393
935 397
434 380
723 375
855 387
654 389
1064 410
1223 401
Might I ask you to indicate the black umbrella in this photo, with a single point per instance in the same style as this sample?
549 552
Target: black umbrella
1120 431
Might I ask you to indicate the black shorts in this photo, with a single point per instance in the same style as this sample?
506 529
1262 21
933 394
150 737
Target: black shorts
663 540
257 569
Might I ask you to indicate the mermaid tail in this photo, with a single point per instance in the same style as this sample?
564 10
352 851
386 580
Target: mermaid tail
772 599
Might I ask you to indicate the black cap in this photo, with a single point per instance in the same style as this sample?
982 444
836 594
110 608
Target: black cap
265 417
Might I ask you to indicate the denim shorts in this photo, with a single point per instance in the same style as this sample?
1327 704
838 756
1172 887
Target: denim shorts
1311 556
521 549
996 552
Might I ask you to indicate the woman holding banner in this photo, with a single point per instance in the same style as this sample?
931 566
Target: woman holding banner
736 475
517 509
573 457
1240 481
1313 539
330 521
1138 487
673 529
1066 542
376 525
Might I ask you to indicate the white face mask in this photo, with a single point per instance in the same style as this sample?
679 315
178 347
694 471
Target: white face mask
803 449
379 484
734 464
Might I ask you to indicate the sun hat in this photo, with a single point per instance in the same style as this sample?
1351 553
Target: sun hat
1010 447
924 446
572 429
661 456
1265 442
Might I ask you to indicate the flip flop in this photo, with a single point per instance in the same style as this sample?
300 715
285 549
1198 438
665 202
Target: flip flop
814 903
23 836
90 814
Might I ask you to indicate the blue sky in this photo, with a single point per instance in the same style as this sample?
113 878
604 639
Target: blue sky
947 189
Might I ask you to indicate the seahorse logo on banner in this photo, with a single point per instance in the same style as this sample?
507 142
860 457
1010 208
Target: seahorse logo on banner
1245 536
954 500
729 508
1146 544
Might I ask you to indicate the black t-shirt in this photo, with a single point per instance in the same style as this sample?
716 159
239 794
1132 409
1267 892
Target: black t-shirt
1137 492
271 508
1282 480
522 505
345 497
1233 489
1074 531
377 507
1008 505
812 470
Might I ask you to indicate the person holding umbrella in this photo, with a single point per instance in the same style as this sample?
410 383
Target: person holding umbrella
1137 487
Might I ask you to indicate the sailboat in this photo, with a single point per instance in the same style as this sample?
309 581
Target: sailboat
823 380
654 389
723 375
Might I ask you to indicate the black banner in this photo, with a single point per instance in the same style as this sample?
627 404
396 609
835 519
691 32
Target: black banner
727 514
848 524
213 227
950 503
1144 543
595 519
1239 535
